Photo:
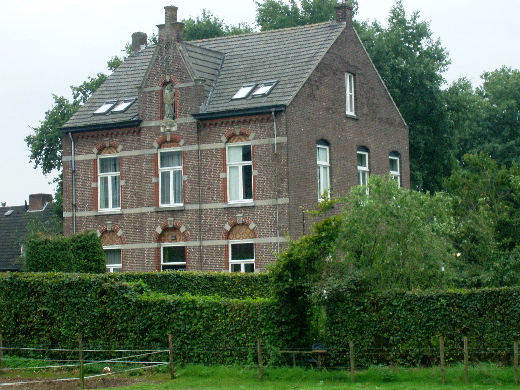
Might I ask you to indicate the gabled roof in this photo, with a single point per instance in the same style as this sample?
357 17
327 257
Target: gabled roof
13 233
286 56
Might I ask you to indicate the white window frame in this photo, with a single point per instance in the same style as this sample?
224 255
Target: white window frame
264 89
242 262
363 171
240 165
323 172
395 174
105 107
110 176
171 170
350 103
170 263
122 105
112 267
244 91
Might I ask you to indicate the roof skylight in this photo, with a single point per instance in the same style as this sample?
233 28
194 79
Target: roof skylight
244 91
105 107
264 89
123 105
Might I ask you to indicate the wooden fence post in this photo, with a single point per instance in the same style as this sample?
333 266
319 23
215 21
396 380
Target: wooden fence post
443 361
466 360
352 362
260 360
81 371
1 354
515 361
170 356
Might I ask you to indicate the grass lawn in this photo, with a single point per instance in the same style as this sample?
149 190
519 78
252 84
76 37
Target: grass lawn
485 376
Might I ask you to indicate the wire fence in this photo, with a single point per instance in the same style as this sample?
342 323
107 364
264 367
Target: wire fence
79 363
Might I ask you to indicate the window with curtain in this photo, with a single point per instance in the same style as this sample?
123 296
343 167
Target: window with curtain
239 173
362 166
349 94
109 183
322 158
394 160
170 178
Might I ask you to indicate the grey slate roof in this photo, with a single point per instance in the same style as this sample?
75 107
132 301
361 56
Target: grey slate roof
226 63
13 233
287 56
121 84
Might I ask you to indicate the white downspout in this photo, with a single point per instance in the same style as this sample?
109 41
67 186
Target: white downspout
73 163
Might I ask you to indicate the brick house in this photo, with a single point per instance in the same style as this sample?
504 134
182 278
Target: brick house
15 223
203 155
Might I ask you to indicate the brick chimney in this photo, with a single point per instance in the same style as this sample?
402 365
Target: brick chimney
344 12
171 30
37 202
139 41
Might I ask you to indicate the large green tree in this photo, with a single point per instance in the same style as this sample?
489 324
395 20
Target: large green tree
500 132
411 63
486 209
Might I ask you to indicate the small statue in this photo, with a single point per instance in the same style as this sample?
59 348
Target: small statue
169 102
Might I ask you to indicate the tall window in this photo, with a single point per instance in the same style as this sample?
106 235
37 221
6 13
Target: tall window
395 167
349 93
113 258
362 166
242 256
170 177
239 173
322 157
109 183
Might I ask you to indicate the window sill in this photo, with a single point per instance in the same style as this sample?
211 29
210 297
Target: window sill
108 212
242 204
169 208
350 116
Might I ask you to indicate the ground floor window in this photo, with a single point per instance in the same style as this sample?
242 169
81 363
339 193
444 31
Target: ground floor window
173 258
113 259
242 257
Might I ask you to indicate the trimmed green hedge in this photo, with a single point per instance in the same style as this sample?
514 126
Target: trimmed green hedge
81 252
404 327
52 309
228 285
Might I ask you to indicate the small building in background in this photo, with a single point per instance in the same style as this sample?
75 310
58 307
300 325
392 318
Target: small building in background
15 224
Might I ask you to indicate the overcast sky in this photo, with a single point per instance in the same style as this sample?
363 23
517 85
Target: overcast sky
49 45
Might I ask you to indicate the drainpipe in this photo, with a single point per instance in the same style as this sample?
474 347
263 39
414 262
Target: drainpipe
73 162
276 183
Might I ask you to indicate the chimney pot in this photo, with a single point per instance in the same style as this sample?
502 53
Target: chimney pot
139 40
170 15
171 30
344 12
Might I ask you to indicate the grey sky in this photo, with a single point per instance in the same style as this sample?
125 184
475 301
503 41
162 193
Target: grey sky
49 45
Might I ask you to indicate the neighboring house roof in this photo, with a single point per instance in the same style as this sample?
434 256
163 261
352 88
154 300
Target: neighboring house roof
13 233
286 56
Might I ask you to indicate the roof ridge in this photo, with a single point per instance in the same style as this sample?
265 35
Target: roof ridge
330 22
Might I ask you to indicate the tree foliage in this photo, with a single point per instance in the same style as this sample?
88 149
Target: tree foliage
486 208
411 63
395 238
209 26
275 14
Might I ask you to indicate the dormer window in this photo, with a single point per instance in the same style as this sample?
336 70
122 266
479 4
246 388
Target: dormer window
264 89
123 105
244 91
105 107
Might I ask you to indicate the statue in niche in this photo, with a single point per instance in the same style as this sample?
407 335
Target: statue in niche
169 102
